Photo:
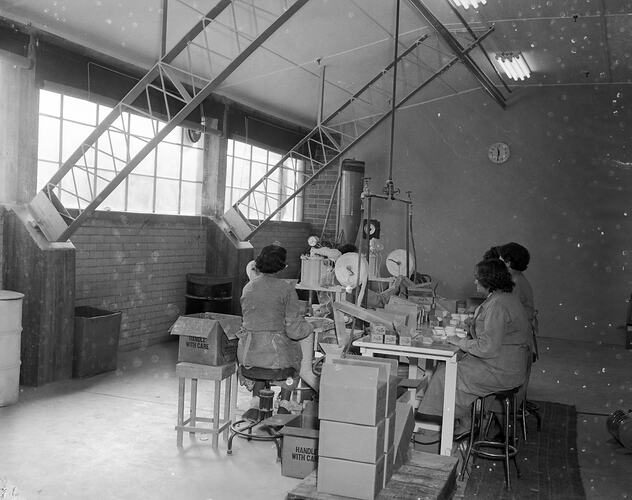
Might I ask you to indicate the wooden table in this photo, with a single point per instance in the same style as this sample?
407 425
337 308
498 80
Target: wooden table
442 352
424 476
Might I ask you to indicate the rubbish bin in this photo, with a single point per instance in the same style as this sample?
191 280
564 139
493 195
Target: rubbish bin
10 333
96 341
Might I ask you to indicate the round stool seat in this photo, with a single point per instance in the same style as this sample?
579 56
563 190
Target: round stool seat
258 373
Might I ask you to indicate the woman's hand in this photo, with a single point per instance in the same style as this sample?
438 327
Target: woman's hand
455 341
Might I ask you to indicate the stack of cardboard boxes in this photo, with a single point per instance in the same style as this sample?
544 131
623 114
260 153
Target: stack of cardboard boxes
357 426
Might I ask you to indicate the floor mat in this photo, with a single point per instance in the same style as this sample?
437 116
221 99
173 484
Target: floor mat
548 462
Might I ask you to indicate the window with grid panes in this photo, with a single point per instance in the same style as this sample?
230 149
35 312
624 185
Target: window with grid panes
245 165
167 181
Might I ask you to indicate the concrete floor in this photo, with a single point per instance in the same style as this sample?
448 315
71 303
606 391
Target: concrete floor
111 436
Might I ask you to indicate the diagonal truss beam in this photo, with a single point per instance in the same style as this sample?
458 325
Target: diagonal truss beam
165 83
324 145
465 58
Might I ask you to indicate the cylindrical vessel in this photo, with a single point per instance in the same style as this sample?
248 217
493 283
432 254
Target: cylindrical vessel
208 293
266 403
350 206
10 333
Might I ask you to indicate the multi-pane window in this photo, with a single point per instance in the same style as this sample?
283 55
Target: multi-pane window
245 165
168 180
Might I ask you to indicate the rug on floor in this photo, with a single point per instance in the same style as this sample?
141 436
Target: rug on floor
548 462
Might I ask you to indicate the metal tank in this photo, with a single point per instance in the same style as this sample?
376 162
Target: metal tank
349 201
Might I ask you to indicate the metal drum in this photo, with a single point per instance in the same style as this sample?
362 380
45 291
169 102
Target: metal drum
10 336
350 206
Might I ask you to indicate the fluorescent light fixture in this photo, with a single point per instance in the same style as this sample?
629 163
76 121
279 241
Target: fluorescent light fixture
466 4
514 65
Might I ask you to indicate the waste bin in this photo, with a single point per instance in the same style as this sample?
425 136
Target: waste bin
96 341
10 333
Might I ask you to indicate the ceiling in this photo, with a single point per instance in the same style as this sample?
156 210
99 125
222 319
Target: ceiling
565 42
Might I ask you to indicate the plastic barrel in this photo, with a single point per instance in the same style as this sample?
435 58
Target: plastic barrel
10 332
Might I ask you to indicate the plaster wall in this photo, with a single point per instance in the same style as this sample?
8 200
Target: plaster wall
565 194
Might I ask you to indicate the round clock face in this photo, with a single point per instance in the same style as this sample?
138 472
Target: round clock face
396 262
347 272
498 152
312 241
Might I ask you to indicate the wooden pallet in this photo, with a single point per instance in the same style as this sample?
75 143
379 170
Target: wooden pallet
424 476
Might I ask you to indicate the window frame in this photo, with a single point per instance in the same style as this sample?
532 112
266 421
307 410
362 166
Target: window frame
233 193
101 109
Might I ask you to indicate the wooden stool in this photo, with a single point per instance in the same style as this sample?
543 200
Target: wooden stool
194 372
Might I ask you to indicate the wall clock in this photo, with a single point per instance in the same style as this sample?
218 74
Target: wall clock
498 152
194 135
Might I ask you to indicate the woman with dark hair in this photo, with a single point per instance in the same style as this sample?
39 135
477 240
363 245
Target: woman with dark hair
497 354
271 328
517 258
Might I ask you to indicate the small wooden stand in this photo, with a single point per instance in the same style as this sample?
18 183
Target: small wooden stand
424 476
194 372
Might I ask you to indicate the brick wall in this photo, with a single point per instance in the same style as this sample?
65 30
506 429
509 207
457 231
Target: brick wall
316 201
293 236
137 264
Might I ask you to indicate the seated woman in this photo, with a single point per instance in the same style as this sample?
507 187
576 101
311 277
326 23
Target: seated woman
496 357
271 327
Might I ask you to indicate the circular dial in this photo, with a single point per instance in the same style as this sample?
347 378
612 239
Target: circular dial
498 152
396 262
194 135
347 269
312 241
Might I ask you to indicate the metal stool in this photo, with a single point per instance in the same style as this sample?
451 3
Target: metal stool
265 428
508 446
194 371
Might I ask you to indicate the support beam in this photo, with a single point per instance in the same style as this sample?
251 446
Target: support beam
465 58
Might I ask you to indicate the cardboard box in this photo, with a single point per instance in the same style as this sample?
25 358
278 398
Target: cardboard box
376 338
390 339
352 394
410 310
360 443
351 479
389 367
207 338
405 340
404 428
299 449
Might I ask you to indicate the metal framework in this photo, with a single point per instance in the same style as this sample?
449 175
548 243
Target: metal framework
331 138
166 95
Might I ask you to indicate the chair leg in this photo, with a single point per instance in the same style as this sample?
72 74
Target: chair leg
514 434
216 397
181 387
470 442
523 418
227 394
507 438
193 405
